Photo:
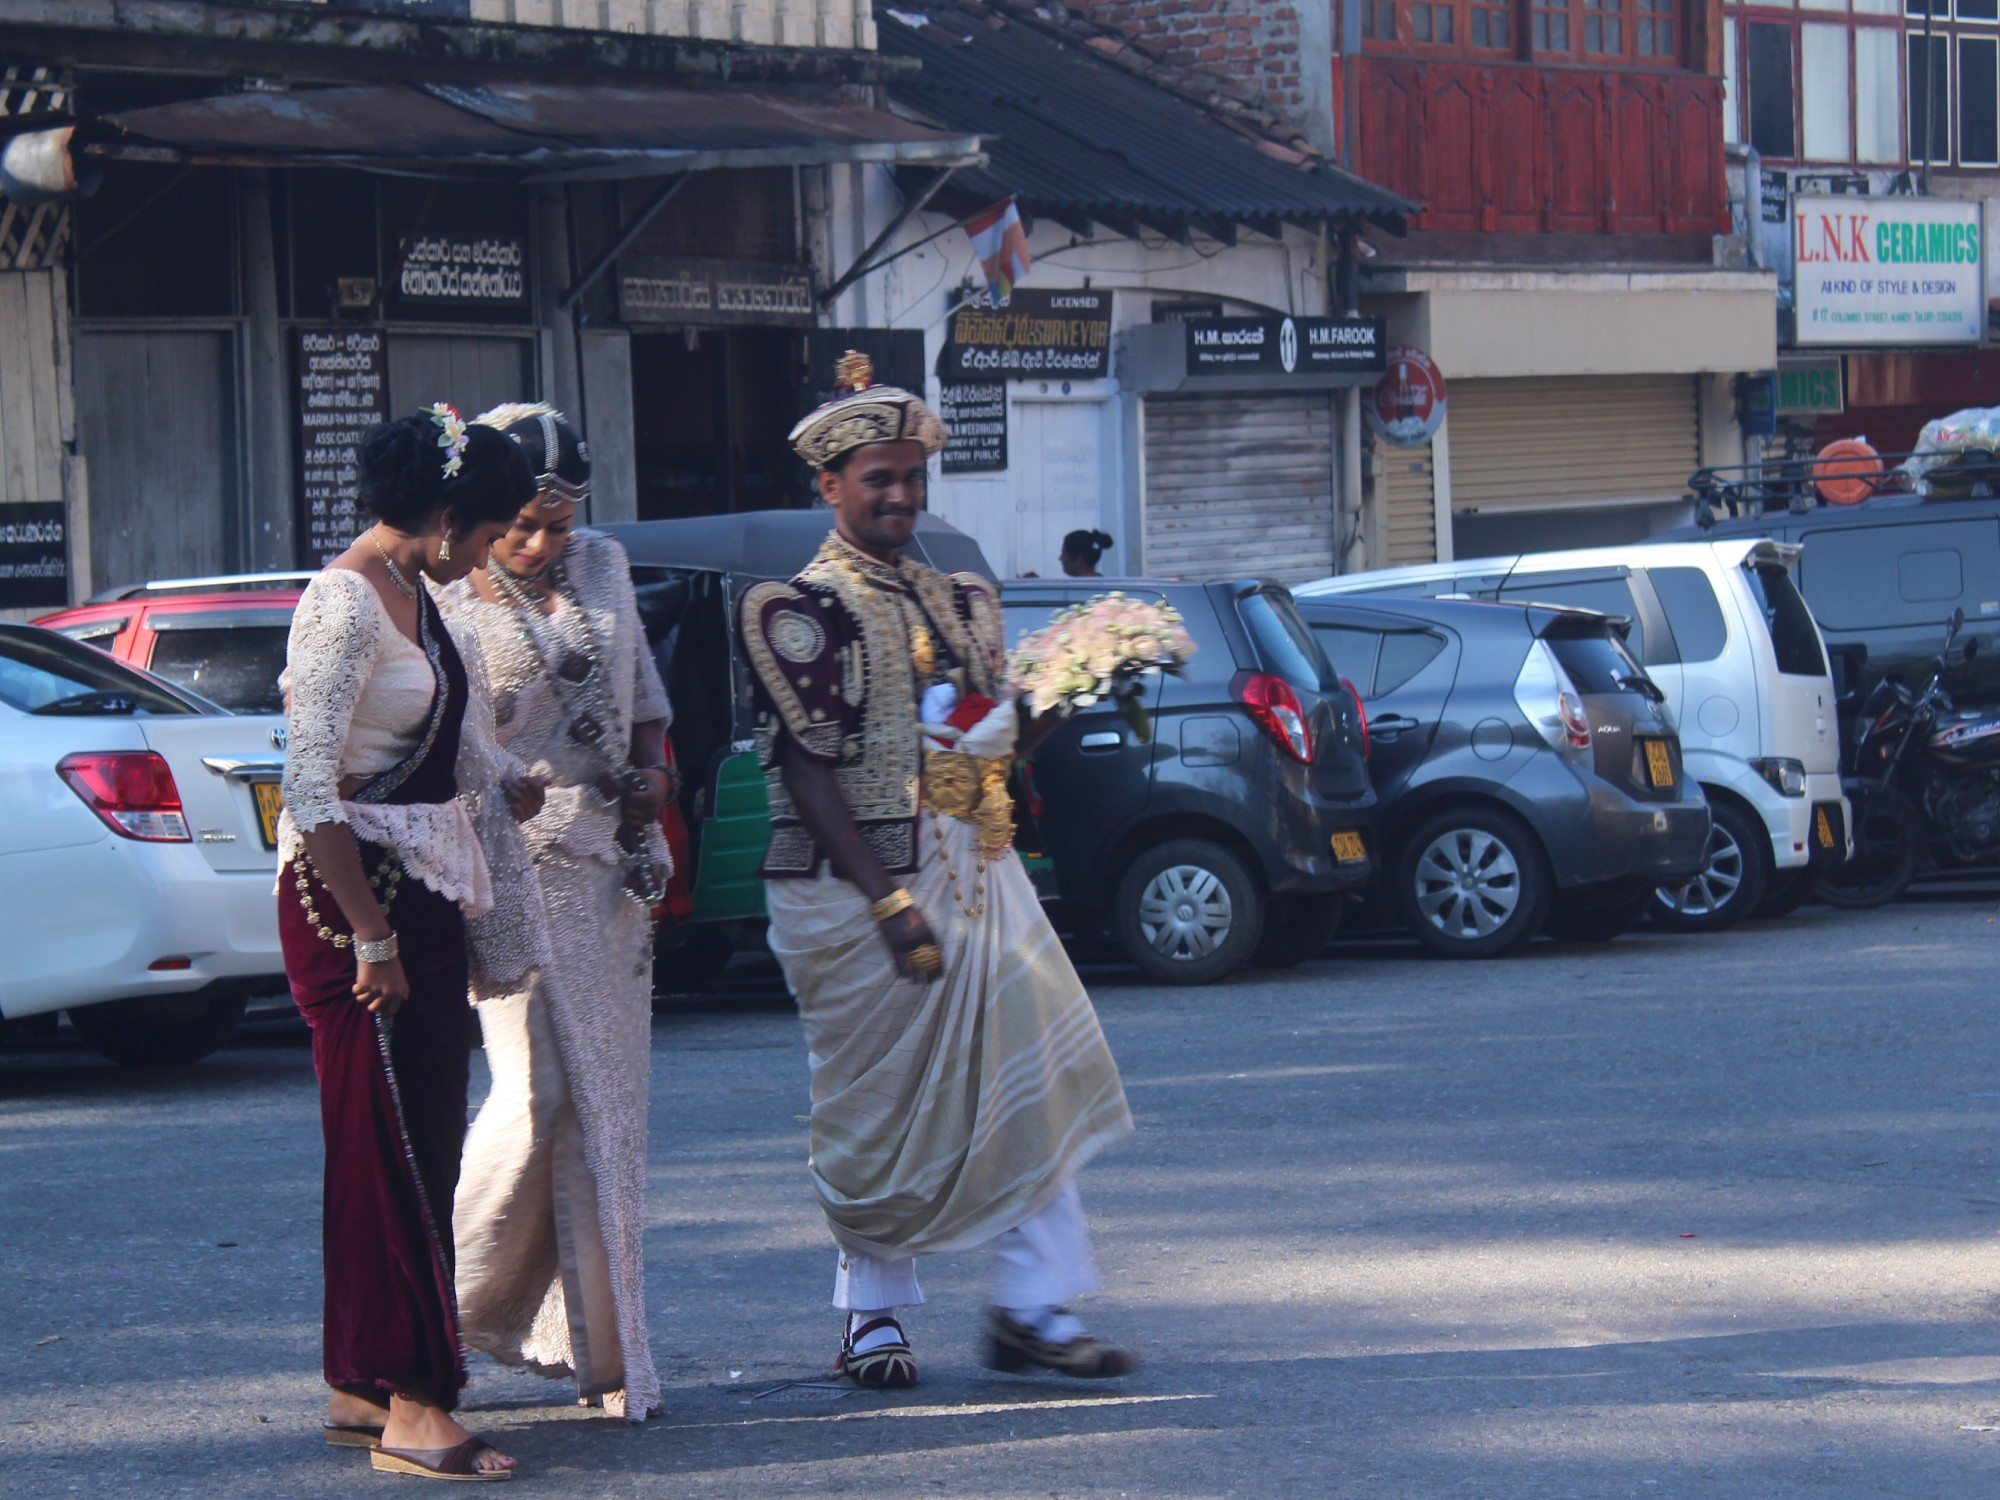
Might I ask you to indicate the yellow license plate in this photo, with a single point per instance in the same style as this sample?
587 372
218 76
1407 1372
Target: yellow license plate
1659 764
1822 829
1348 847
270 802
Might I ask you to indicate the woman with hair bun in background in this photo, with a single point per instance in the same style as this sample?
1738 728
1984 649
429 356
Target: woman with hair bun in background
379 863
1081 550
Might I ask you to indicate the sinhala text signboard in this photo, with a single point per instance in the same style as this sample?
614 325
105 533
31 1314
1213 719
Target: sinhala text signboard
1888 270
1036 334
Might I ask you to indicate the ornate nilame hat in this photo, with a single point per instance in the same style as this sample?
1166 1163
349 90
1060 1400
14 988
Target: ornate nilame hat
554 449
868 413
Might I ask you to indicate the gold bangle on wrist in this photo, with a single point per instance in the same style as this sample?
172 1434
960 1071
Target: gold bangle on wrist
895 903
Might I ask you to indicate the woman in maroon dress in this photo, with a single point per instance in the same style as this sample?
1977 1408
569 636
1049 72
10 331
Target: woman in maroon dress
380 863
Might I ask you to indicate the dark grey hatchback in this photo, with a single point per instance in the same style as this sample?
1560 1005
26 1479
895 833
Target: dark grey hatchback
1529 775
1231 835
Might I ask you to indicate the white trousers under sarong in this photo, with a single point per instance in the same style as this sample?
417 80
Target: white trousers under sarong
1042 1262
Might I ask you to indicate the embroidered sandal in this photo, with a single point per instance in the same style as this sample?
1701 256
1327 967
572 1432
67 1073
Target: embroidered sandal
886 1367
440 1463
1012 1347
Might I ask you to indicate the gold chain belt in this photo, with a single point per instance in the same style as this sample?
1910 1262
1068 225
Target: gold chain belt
974 791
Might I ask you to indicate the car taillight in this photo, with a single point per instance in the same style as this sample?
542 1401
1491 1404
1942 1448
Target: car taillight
1360 712
133 791
1550 701
1275 707
1569 708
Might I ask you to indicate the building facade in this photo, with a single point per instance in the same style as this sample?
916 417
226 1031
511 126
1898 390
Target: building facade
283 225
1857 118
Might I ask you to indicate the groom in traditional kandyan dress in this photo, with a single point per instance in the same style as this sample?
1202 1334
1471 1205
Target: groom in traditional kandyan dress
959 1078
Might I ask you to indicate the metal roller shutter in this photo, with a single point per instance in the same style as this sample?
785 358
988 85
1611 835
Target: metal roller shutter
1240 486
1571 440
1409 504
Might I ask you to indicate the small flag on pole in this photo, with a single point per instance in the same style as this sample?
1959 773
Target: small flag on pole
1001 245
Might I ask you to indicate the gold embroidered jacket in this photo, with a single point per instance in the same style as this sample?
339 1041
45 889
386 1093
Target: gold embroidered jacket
840 657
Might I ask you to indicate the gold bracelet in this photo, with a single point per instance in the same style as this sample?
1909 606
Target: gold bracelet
927 959
895 903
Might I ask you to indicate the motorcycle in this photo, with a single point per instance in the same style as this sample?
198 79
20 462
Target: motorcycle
1926 780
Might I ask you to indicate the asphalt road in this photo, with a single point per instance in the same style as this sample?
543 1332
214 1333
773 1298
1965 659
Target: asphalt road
1675 1216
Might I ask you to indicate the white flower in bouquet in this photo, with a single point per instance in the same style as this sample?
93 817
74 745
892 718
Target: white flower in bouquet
1102 648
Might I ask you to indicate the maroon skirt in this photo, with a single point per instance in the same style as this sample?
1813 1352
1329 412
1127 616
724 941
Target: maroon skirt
392 1100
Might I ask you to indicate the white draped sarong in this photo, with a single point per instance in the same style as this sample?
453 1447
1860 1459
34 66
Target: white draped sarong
947 1113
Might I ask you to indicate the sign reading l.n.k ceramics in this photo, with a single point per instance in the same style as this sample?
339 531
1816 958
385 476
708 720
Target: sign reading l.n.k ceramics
1888 270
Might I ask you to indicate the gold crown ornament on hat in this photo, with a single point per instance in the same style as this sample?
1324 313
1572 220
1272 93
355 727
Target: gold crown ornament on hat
867 413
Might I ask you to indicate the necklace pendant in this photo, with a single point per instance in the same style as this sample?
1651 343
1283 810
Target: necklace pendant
575 668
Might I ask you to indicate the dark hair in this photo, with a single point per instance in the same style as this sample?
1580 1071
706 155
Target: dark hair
529 431
1086 546
403 482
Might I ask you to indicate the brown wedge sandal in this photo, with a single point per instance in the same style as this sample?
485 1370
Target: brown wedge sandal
1012 1347
351 1434
440 1463
887 1367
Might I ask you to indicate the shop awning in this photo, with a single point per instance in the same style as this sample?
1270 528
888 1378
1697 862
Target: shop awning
534 132
1078 138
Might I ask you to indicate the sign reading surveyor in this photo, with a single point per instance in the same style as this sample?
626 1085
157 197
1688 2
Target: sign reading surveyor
1035 335
342 377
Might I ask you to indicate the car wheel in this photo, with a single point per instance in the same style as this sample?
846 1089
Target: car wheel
1731 884
1592 917
158 1031
1788 891
1188 912
1473 883
1297 928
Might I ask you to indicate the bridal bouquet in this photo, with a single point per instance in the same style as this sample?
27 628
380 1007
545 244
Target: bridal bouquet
1101 649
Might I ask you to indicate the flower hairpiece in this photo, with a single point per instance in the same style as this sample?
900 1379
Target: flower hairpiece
451 437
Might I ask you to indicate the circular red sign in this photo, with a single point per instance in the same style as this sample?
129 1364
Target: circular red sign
1406 408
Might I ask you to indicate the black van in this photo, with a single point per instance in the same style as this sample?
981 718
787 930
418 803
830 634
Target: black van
1882 578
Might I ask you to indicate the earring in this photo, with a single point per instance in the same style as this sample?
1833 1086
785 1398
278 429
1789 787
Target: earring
444 550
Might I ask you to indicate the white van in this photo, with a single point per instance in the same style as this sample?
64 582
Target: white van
1722 629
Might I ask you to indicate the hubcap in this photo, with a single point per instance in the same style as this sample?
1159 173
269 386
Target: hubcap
1468 883
1716 886
1185 912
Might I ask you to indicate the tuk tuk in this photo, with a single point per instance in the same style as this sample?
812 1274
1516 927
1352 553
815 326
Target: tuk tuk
689 576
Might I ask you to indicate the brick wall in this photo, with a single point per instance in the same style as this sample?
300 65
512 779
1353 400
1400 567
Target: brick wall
1253 44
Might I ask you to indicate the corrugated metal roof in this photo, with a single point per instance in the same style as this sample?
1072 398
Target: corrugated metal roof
1072 133
540 131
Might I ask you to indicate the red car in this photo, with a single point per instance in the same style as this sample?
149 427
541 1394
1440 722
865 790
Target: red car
224 638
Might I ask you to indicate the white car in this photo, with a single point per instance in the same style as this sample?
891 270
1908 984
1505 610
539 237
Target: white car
1724 632
138 831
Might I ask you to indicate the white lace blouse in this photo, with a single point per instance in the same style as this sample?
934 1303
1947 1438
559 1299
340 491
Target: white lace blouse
361 694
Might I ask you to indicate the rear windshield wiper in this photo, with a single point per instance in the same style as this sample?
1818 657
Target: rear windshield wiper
1643 685
89 703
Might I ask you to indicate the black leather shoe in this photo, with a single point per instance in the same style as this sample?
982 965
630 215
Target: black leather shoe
1011 1346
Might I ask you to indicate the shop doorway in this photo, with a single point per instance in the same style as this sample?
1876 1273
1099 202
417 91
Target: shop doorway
711 409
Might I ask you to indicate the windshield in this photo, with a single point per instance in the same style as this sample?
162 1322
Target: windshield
1793 634
1285 644
40 670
